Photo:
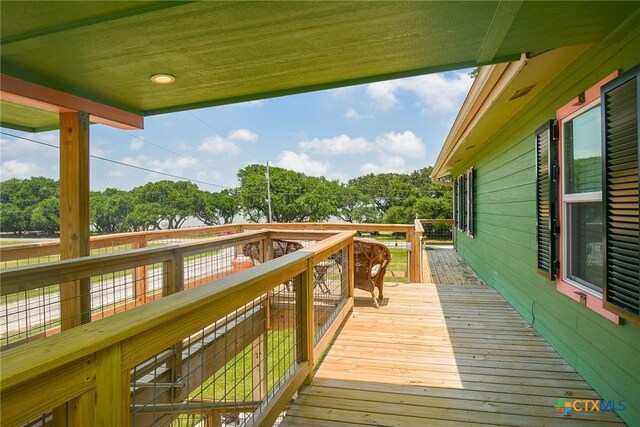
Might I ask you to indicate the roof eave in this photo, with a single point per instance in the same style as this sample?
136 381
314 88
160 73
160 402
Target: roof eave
487 86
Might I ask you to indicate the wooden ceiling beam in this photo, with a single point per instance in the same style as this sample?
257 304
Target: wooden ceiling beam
32 95
503 17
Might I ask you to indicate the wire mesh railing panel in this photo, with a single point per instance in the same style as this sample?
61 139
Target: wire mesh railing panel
330 290
227 372
29 315
35 314
23 262
211 265
438 232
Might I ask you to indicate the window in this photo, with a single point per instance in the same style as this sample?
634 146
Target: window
582 198
599 196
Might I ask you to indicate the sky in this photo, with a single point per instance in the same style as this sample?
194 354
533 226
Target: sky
391 126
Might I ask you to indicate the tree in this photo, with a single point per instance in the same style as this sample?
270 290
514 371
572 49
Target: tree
170 201
109 210
295 197
19 198
13 218
219 208
355 206
387 189
46 216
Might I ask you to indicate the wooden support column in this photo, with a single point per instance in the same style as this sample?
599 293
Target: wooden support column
75 301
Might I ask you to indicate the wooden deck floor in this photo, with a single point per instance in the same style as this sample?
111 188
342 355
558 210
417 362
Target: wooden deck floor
442 264
437 354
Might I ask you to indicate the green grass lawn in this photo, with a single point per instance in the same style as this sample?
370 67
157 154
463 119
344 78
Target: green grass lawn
235 381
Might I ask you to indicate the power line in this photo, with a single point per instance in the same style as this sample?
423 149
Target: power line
145 140
121 163
227 139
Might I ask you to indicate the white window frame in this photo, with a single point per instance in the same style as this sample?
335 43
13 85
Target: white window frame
574 198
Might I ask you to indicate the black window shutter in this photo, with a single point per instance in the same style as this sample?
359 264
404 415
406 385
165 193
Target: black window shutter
463 202
456 191
619 101
546 199
460 203
471 177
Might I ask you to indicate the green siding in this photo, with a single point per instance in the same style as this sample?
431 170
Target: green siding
503 252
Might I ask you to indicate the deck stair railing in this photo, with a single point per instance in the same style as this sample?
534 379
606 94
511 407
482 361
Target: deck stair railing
234 349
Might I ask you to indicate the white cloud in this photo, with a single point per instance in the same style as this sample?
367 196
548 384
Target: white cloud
384 165
301 163
405 144
217 144
341 144
243 135
18 169
435 92
352 114
136 143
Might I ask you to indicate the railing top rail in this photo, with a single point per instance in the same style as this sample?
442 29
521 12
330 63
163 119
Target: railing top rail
28 250
324 248
31 250
26 362
331 226
38 275
435 221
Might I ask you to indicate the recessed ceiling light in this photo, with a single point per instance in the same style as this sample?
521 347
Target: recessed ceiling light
163 79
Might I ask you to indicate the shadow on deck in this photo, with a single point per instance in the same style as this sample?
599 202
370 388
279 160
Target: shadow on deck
437 354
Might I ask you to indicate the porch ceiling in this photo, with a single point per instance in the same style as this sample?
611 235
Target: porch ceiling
225 52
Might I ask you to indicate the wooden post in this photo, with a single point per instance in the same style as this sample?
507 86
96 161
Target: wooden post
415 273
259 361
306 321
351 265
409 243
140 276
75 300
112 395
173 277
417 257
80 411
268 249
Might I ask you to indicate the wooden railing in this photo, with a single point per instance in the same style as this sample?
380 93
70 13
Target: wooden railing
84 375
35 253
437 231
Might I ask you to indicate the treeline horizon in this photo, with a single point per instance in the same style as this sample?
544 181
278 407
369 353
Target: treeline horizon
33 204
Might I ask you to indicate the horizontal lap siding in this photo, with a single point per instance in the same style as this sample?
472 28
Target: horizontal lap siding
503 254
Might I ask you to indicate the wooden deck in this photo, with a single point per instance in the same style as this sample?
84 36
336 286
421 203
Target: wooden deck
442 264
437 354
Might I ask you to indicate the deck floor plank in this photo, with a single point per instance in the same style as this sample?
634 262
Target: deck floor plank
440 354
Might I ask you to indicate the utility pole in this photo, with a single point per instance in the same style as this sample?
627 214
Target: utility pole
268 191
